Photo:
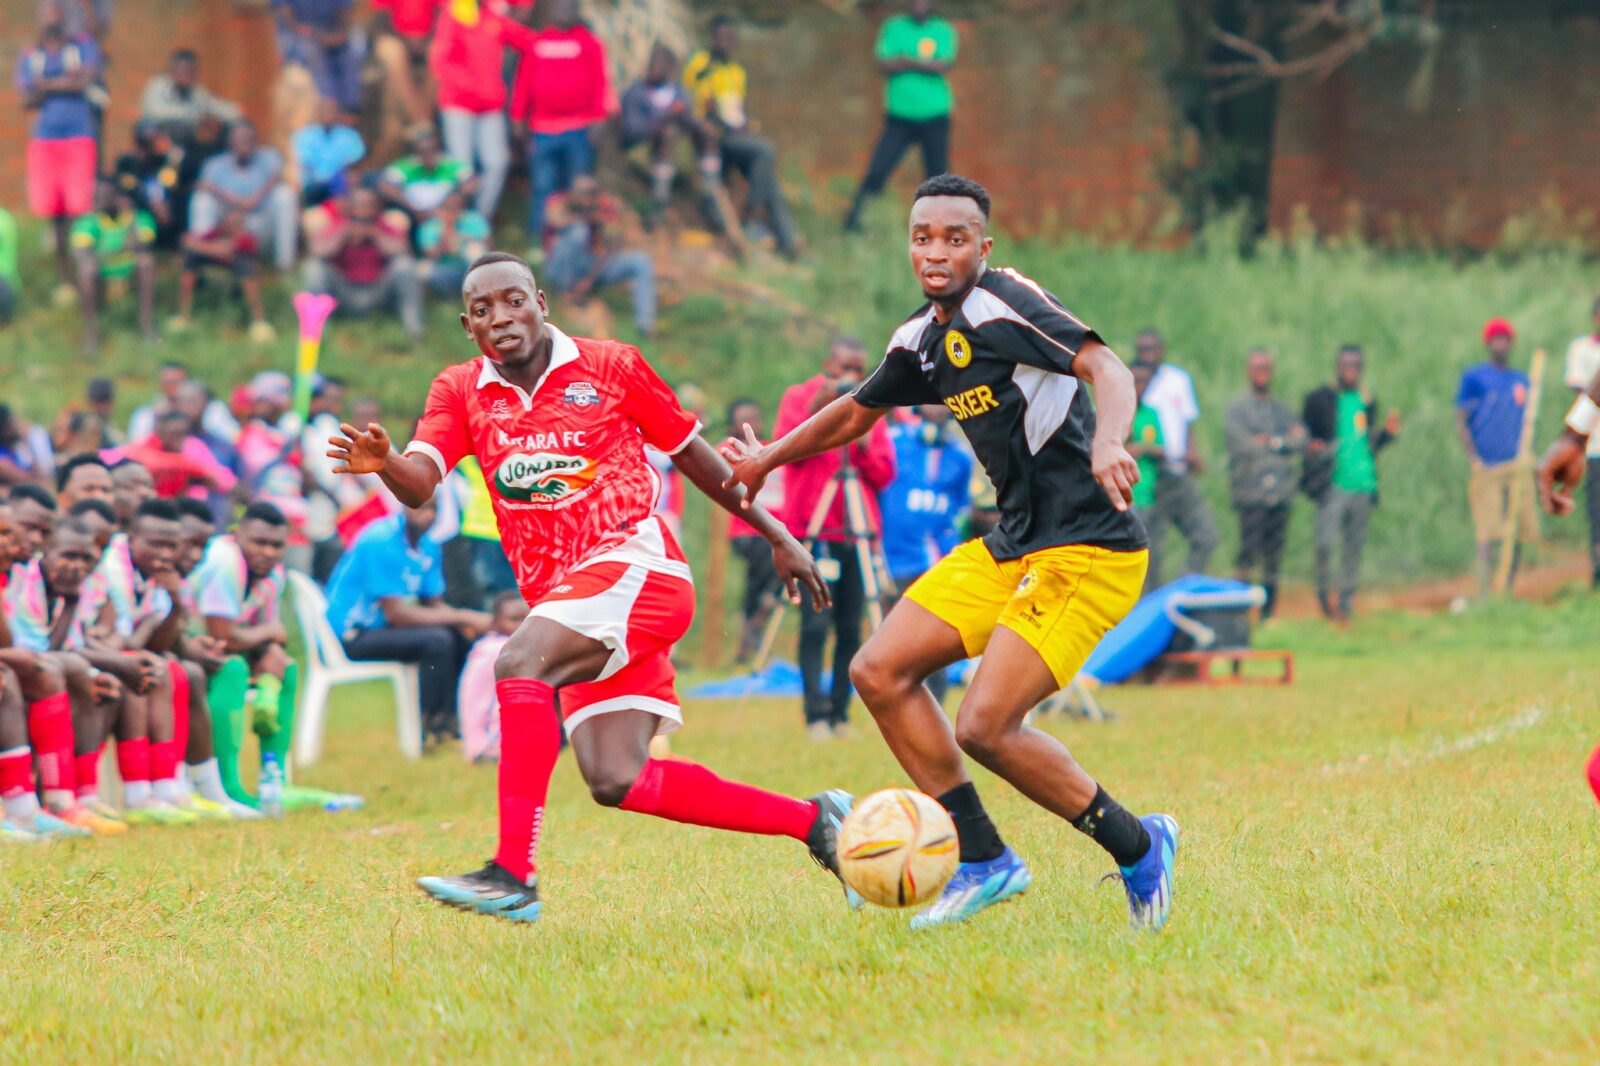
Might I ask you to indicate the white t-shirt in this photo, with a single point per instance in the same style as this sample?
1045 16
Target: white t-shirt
1583 360
1171 394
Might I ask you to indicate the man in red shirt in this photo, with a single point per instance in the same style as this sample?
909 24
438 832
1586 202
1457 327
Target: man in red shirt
563 93
362 256
827 712
178 460
559 428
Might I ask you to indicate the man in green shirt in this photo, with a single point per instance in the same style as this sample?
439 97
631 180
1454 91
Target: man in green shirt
10 280
419 183
1341 474
1144 441
112 244
916 51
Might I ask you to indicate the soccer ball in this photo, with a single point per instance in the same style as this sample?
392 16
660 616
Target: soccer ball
898 848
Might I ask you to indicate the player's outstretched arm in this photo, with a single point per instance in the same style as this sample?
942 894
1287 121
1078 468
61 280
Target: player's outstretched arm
1561 469
1114 401
836 425
700 463
412 478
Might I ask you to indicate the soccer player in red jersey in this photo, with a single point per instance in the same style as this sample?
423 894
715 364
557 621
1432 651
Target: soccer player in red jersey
558 425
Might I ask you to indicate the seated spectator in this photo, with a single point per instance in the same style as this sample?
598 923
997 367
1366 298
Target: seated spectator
214 421
178 461
149 174
22 460
562 95
230 247
716 84
113 245
582 251
205 413
316 34
210 141
361 257
100 397
325 152
418 183
656 113
10 279
175 101
384 603
467 59
55 77
85 476
248 179
477 703
449 241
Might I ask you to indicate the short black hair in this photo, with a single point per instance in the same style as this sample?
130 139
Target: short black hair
74 526
99 507
262 511
491 258
173 364
82 459
742 401
1352 347
165 510
37 493
101 390
189 507
955 185
505 597
171 414
184 54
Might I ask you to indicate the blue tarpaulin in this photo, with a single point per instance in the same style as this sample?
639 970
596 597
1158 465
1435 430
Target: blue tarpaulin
1146 632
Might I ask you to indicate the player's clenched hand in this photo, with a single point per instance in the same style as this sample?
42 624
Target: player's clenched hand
1561 472
796 567
106 688
744 456
359 451
1116 471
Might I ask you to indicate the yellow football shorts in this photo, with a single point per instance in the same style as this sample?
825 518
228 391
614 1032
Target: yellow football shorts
1060 600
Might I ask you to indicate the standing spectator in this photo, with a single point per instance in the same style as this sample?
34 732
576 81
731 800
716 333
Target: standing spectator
1583 362
384 603
113 246
716 84
467 59
656 113
176 100
761 583
1179 501
149 174
915 51
563 94
924 503
1341 474
1144 444
10 279
1490 405
248 179
827 713
401 31
449 242
583 250
229 247
82 18
1264 436
418 183
100 397
54 78
325 151
362 257
316 34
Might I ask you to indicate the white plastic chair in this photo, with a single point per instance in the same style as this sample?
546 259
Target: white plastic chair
327 666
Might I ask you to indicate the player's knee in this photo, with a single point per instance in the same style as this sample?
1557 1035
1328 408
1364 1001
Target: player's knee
610 785
196 675
872 676
978 738
49 679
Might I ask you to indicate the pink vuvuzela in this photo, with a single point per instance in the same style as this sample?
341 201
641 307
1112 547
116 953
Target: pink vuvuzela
313 310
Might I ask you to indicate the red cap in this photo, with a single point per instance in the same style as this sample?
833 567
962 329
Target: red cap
1497 327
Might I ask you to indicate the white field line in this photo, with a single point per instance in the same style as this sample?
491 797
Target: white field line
1402 758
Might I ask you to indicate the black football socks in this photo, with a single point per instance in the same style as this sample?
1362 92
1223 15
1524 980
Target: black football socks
1110 825
980 840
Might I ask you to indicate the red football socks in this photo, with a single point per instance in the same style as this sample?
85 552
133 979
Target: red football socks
180 712
50 732
133 759
530 741
16 773
88 765
1594 773
687 792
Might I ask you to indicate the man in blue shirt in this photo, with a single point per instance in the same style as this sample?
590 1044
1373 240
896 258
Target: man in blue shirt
928 496
384 602
1490 405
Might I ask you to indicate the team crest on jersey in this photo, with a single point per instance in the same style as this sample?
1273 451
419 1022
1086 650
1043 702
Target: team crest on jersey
581 394
1029 582
501 409
957 349
544 476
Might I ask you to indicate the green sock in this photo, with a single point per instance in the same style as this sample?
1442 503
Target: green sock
267 706
226 692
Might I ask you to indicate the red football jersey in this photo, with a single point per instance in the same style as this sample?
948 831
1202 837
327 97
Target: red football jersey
565 464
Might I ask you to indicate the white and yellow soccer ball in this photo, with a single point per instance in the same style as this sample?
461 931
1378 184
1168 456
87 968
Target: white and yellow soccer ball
898 848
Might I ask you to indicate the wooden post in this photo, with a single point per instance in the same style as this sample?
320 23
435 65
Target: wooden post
713 633
1521 484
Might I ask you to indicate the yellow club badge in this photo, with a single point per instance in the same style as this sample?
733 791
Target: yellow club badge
957 349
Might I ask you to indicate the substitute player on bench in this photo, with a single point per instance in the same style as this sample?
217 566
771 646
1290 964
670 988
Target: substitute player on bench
558 426
1033 597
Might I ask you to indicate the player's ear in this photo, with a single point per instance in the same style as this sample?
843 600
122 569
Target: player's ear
465 326
544 305
983 252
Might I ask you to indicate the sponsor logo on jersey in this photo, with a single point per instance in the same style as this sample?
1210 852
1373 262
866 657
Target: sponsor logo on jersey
544 476
501 409
581 394
970 404
957 349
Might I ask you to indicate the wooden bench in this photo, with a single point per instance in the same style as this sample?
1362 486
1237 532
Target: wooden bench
1199 667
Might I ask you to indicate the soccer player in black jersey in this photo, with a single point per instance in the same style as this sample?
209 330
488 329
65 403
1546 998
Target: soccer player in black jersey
1034 596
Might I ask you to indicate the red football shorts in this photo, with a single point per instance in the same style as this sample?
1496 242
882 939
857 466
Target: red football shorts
638 600
61 177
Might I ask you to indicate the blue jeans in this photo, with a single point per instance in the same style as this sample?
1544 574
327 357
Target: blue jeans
555 159
572 259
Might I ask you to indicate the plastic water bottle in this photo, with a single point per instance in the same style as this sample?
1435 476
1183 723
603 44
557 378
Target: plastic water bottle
271 790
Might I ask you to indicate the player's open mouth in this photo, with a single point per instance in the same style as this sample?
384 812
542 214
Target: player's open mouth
509 342
935 279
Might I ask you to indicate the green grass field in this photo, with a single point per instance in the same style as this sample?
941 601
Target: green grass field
1392 861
